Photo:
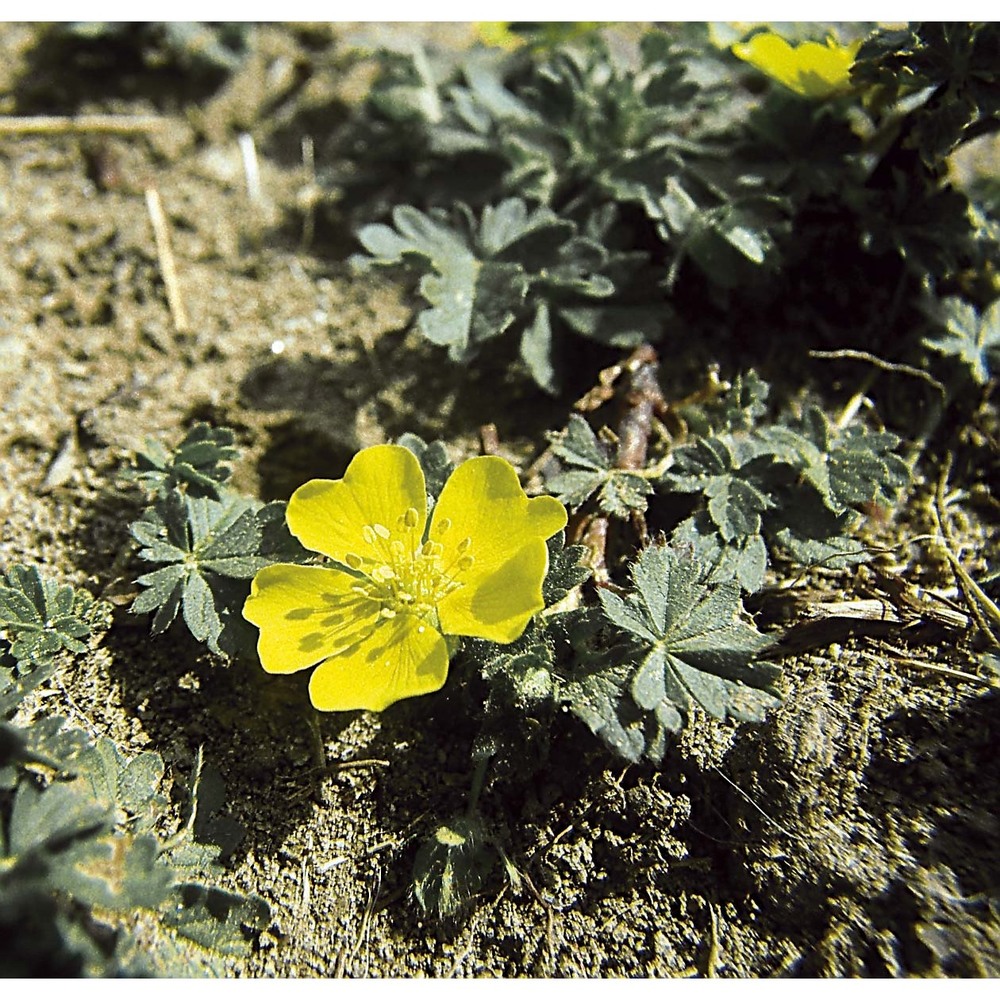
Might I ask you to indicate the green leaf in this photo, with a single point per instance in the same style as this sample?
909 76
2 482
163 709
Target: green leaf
200 615
433 459
220 921
451 866
199 464
578 445
691 642
536 349
514 267
971 338
207 544
471 298
567 568
39 617
620 491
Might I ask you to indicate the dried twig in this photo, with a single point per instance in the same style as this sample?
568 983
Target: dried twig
489 439
168 269
310 194
79 124
936 668
889 366
641 400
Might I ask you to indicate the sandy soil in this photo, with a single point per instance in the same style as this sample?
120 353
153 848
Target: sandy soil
856 832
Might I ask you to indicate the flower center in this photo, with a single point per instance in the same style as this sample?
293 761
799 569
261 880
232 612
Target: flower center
405 574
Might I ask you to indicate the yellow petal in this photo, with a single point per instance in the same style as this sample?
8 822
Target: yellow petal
305 614
379 486
401 658
810 69
498 606
484 518
771 54
497 34
824 69
483 501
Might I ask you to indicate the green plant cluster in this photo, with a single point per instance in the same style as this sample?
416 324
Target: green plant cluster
206 539
570 191
86 864
566 195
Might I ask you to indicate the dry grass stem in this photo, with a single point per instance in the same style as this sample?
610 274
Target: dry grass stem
79 124
168 269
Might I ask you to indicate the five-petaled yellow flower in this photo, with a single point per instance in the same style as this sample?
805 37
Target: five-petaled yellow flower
374 624
810 69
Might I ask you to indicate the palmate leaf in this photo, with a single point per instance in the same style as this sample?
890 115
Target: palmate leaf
206 546
84 843
39 617
473 293
199 464
588 469
848 466
796 485
970 337
688 644
950 68
513 268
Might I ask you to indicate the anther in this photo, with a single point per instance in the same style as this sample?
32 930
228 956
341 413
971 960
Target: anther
383 573
466 562
464 545
440 527
427 549
352 560
368 534
410 517
381 530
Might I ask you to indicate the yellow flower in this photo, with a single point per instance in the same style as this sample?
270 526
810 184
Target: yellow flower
374 625
497 34
810 69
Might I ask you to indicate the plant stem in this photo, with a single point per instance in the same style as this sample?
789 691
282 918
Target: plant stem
478 777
